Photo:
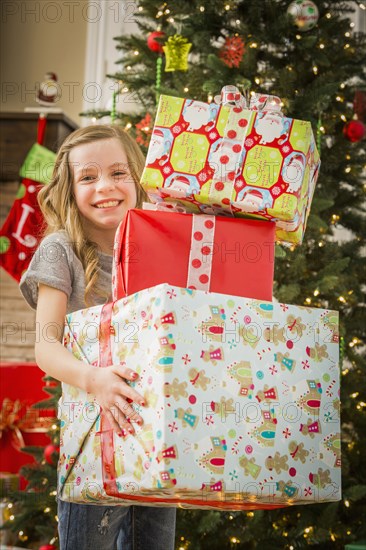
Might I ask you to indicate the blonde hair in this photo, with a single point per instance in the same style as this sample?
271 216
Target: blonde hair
58 205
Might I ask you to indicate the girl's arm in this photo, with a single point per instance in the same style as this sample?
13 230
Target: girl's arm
107 384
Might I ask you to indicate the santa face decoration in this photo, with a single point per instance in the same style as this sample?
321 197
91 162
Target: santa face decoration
252 200
197 114
269 127
158 146
293 171
179 186
49 91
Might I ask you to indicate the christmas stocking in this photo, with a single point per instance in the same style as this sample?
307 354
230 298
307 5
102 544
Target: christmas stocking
23 228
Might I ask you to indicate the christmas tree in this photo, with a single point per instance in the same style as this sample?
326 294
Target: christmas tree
309 56
31 513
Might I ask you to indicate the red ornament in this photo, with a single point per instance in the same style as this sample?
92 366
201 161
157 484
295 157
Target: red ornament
47 547
354 130
232 51
48 453
153 44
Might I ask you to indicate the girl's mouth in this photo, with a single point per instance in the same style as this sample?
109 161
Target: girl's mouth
108 204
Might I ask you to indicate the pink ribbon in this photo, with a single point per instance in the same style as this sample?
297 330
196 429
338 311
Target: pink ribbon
201 254
230 95
265 103
227 158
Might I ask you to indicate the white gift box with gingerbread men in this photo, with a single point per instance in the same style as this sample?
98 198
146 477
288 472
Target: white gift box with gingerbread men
242 403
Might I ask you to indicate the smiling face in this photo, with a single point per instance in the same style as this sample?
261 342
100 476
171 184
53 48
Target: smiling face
103 187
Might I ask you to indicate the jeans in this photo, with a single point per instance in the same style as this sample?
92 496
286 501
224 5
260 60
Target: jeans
89 527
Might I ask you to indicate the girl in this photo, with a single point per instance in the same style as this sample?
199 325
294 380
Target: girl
95 181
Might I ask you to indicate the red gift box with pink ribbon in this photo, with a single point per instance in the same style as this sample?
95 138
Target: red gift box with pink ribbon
203 252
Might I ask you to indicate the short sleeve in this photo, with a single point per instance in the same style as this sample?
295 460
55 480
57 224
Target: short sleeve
51 266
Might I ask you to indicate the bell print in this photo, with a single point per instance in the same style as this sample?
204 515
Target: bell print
310 428
217 354
288 363
168 319
289 490
190 419
267 395
216 487
253 469
167 454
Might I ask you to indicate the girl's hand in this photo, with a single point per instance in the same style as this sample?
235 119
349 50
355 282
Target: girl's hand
107 384
114 395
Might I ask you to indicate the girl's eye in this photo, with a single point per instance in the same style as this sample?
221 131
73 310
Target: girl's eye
87 178
119 173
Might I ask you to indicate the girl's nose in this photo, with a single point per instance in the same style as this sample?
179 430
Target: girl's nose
105 183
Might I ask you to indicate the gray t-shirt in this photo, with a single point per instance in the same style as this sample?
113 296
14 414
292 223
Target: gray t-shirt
55 264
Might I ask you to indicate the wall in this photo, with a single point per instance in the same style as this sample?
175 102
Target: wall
38 36
117 18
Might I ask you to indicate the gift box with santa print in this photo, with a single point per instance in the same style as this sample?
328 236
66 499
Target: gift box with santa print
217 254
227 159
242 403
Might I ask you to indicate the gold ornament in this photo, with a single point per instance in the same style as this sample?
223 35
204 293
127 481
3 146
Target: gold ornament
8 512
176 51
22 536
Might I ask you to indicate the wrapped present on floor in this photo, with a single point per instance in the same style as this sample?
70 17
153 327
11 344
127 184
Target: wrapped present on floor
224 158
204 252
242 403
20 424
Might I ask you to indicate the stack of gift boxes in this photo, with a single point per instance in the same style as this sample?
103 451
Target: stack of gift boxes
242 392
